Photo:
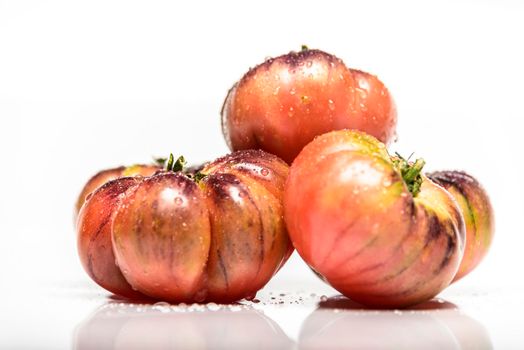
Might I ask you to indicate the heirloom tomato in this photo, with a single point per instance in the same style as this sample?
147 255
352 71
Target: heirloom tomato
371 225
282 104
217 235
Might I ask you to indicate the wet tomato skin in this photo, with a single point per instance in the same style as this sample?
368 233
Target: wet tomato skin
352 218
217 239
478 215
106 175
282 104
161 236
94 237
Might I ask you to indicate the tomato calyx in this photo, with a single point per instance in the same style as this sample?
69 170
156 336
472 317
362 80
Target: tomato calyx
178 166
411 172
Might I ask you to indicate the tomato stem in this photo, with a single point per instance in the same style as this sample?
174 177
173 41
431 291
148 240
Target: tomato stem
175 166
304 48
411 173
178 166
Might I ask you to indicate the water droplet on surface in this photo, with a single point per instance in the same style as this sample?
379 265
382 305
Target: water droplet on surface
323 298
256 301
212 306
235 308
264 172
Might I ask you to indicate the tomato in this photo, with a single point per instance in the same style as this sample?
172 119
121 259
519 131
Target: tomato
282 104
110 174
374 227
478 215
94 236
218 235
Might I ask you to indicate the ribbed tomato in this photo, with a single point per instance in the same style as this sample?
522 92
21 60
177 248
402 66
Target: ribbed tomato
282 104
372 226
216 236
476 208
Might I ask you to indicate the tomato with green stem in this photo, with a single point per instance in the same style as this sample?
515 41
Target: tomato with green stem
217 235
371 225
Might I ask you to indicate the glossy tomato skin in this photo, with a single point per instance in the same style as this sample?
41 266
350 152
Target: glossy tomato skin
282 104
161 236
478 215
104 176
94 237
217 239
352 219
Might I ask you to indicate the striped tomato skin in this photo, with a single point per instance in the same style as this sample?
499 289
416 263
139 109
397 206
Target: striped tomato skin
477 211
219 238
352 218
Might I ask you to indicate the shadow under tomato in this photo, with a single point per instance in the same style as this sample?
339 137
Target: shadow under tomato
120 325
339 323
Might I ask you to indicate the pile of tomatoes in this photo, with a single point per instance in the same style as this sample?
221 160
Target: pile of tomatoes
310 171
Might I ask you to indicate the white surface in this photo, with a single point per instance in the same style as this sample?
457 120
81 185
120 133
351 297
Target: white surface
91 85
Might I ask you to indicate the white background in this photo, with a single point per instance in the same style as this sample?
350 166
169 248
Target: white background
90 85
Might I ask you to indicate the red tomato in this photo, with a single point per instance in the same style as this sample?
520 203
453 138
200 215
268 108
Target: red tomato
282 104
216 236
373 227
478 215
110 174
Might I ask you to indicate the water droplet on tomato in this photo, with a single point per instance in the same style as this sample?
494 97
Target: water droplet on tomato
264 172
292 91
200 296
251 296
331 105
309 64
178 201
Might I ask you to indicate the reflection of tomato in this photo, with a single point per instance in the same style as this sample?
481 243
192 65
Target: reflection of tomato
282 104
478 215
431 325
128 326
110 174
219 238
374 227
94 236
